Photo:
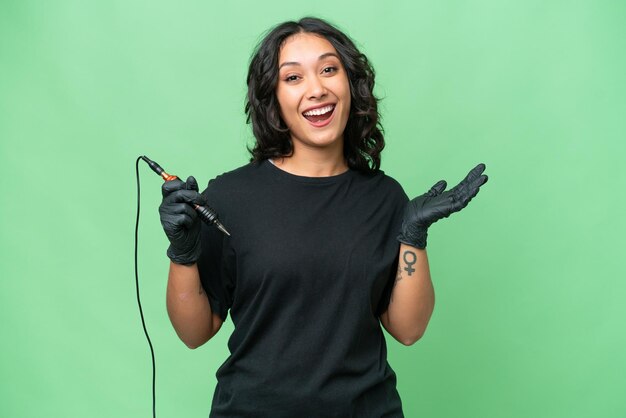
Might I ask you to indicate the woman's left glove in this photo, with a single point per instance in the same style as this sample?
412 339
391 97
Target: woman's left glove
427 209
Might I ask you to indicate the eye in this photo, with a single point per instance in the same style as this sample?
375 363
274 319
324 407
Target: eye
291 78
329 70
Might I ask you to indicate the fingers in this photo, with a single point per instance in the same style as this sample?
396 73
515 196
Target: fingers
471 176
191 183
189 216
177 184
481 180
171 186
465 191
178 214
183 196
438 188
474 187
179 198
475 172
201 200
476 178
463 195
175 209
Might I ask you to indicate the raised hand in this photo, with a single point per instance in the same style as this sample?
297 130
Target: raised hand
427 209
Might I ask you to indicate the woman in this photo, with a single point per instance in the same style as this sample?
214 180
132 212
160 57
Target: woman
323 249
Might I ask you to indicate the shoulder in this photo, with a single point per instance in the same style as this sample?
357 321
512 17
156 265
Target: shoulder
236 187
380 182
390 182
238 177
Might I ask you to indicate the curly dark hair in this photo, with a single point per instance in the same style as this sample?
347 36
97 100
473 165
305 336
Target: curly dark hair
363 135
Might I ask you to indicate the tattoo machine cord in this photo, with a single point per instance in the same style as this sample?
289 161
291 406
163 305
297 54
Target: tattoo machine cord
143 322
207 214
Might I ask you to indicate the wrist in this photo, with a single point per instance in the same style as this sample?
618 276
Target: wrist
414 235
187 258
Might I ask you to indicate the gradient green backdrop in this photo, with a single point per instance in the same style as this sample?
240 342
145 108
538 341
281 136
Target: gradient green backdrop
529 279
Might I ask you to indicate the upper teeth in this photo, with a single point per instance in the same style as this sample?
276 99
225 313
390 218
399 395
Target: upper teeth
319 111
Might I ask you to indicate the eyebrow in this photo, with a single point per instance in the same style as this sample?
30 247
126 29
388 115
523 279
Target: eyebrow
321 57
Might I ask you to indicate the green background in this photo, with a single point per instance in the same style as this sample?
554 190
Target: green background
529 279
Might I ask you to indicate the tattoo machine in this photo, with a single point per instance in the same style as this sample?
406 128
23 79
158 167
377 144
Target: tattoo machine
207 214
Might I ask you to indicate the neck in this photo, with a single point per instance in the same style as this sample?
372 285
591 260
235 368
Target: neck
313 162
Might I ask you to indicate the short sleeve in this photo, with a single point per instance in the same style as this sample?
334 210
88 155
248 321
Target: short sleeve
215 265
391 281
397 204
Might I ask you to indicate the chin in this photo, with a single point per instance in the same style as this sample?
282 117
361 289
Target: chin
324 141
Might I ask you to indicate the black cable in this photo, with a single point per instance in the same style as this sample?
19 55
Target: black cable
143 322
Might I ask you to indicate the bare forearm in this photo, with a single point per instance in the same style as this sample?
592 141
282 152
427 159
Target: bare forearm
188 306
413 297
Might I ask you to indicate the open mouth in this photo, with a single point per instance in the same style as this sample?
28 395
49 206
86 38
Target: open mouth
320 115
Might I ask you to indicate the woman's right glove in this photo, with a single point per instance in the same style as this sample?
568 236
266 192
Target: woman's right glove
180 221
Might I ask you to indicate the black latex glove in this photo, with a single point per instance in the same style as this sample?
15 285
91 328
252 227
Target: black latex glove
427 209
180 220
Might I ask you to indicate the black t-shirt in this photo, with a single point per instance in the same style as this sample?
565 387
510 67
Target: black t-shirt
307 271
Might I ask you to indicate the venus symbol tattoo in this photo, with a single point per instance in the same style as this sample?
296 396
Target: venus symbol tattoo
409 258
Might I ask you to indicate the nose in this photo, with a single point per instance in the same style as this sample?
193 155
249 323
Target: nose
316 88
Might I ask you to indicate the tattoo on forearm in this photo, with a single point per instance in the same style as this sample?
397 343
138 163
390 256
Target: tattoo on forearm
398 278
409 258
399 273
